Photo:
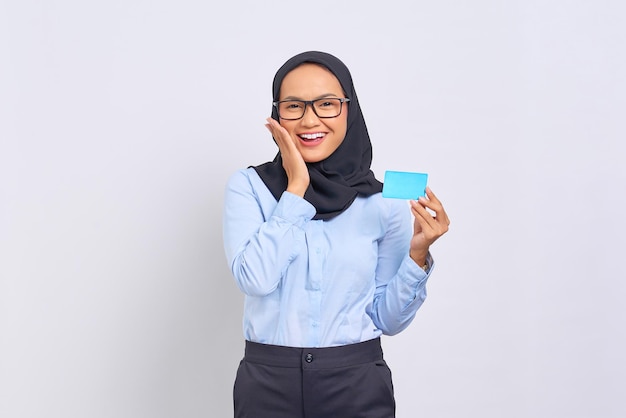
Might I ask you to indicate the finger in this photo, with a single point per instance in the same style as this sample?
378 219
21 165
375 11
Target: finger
422 215
432 199
280 134
430 232
423 206
427 231
438 224
273 125
438 212
272 121
433 226
431 195
434 204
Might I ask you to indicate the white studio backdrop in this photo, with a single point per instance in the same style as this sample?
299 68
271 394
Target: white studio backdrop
120 122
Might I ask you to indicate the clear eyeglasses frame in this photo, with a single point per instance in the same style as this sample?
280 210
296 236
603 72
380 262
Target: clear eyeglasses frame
325 108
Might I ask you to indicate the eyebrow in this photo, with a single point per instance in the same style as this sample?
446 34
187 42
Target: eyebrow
323 96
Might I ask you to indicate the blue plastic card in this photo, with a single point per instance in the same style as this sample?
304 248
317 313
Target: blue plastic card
404 185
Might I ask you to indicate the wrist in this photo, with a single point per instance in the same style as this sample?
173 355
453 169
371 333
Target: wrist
298 184
297 190
419 257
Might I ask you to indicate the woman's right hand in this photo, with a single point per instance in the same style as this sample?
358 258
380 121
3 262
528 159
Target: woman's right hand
297 172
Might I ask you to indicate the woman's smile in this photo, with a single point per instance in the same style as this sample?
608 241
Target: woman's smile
312 139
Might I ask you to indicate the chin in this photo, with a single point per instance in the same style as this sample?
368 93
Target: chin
314 158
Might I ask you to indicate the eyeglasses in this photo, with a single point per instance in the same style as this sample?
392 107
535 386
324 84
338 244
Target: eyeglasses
328 107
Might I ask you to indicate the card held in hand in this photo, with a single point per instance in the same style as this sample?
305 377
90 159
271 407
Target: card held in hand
404 185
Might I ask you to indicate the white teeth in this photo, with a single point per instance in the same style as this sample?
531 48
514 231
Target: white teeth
312 136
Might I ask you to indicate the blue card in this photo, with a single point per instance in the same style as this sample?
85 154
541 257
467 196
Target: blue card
404 185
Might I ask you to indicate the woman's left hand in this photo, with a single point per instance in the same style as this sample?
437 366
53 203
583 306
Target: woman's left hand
427 227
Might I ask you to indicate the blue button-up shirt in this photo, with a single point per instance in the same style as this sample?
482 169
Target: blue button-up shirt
314 283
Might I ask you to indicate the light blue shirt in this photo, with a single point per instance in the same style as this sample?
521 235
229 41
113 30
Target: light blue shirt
314 283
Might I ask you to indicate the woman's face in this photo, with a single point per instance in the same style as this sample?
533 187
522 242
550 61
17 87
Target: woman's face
316 138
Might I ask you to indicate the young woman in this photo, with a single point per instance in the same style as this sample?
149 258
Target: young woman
327 265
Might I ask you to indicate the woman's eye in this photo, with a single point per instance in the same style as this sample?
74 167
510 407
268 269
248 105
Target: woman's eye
328 104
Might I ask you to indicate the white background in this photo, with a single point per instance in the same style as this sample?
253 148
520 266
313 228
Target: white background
121 120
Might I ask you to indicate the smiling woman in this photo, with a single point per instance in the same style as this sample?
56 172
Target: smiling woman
327 265
317 129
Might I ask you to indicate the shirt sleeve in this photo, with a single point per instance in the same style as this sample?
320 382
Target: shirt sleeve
400 282
259 250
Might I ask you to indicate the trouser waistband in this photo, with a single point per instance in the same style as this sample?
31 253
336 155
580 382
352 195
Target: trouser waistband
317 358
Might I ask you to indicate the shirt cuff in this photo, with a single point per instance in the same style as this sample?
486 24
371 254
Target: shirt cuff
294 209
429 263
413 273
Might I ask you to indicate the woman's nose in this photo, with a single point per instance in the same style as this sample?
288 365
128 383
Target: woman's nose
309 118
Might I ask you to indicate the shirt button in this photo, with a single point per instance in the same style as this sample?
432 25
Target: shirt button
309 358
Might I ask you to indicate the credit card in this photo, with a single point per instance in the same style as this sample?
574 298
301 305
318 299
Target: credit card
404 185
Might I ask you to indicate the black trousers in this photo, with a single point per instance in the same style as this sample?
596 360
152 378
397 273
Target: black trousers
351 381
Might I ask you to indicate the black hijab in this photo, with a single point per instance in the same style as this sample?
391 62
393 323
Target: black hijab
337 180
